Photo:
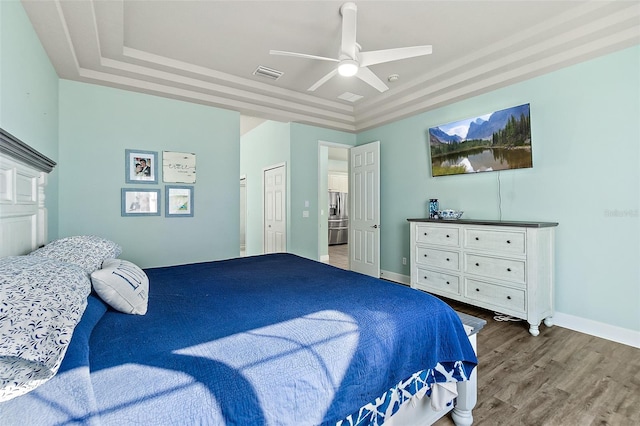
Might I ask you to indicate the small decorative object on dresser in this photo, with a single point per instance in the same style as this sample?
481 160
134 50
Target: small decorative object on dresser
449 214
498 265
433 208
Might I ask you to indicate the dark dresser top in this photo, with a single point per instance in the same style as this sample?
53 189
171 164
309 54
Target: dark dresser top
475 323
522 224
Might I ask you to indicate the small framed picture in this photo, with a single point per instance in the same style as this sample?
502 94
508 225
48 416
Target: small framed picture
141 166
178 201
178 167
140 202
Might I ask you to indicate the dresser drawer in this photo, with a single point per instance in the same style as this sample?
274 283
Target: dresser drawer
438 258
440 235
429 280
497 295
512 242
512 270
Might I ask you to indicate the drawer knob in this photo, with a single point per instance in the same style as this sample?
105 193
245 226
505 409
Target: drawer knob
477 239
508 241
509 297
447 236
477 264
447 282
425 255
508 269
477 289
447 259
425 233
425 278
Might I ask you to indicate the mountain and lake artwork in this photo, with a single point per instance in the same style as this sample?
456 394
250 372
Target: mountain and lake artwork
497 141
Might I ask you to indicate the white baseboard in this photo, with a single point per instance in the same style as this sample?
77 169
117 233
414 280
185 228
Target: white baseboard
393 276
324 258
583 325
598 329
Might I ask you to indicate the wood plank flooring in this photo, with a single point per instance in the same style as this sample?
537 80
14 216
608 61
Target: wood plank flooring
561 377
339 256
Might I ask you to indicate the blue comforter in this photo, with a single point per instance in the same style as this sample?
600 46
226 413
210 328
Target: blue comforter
266 340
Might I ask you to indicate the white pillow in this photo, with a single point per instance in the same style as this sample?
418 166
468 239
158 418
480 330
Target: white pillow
123 285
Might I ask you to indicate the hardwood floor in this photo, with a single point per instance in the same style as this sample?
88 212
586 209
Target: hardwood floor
339 256
561 377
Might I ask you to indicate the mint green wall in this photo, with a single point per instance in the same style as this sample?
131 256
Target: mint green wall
586 147
297 145
305 185
29 94
323 201
264 146
586 141
98 123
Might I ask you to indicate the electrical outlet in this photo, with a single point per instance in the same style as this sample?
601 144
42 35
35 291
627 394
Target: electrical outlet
404 260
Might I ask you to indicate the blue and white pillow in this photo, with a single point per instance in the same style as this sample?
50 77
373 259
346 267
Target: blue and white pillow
87 251
41 302
122 285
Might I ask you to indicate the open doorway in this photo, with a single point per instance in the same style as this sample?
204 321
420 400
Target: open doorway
334 204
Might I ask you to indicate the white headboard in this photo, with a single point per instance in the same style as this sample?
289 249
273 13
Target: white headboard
23 215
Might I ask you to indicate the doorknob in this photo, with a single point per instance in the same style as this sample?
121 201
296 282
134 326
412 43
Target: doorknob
375 226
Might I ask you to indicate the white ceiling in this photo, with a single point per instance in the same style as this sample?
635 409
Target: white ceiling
206 51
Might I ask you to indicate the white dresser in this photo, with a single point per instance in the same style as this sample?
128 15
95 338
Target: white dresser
503 266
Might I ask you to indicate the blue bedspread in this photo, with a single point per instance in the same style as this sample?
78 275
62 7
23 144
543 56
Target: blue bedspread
264 340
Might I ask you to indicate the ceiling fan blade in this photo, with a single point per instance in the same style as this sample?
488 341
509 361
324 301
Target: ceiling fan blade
323 80
366 75
380 56
348 45
301 55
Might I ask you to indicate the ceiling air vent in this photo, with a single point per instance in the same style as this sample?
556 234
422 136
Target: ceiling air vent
268 73
350 97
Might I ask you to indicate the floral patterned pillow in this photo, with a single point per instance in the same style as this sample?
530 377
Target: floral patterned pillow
41 302
87 251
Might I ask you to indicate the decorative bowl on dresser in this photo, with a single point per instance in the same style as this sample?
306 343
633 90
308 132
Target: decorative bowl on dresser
504 266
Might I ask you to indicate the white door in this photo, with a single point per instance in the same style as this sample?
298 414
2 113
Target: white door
243 215
275 220
364 216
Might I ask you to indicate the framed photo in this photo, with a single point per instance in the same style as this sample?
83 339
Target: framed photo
178 167
140 202
178 201
141 166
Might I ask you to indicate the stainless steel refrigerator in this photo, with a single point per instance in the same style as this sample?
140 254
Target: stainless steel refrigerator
338 218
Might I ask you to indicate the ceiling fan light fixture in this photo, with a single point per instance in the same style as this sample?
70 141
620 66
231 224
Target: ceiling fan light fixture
351 60
348 68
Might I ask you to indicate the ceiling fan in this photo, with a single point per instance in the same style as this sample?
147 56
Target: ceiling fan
351 61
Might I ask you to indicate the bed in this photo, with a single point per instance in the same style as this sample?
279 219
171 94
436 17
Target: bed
264 340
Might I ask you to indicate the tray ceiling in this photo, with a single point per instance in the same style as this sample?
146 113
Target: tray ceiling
206 51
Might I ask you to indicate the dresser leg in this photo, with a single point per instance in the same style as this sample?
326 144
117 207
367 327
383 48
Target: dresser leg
548 321
534 329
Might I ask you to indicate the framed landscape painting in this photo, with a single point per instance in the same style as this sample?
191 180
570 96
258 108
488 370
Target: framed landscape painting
500 140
